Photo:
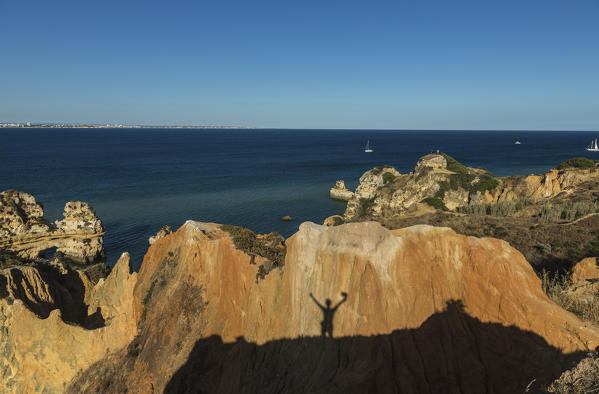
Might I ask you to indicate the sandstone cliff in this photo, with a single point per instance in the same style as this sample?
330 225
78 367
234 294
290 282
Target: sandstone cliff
53 324
25 232
427 310
441 181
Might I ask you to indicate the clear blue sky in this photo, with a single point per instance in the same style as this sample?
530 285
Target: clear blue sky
303 64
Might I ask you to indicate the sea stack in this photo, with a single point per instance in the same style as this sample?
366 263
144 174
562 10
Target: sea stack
340 192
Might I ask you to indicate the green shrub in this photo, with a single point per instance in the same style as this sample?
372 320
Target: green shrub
454 165
388 177
465 180
487 182
577 162
365 205
268 246
435 202
378 169
443 188
146 300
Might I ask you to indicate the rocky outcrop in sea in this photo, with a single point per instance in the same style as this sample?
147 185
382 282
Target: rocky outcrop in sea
340 192
441 182
25 233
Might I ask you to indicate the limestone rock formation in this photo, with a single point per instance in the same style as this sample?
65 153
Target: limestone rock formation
20 214
163 232
442 182
25 232
52 325
427 310
340 192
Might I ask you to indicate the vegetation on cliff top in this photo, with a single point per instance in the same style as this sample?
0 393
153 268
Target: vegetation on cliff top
577 162
388 177
270 246
378 169
464 179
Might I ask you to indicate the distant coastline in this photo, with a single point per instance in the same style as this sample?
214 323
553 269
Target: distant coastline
108 126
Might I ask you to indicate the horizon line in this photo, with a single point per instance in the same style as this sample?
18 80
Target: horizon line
29 125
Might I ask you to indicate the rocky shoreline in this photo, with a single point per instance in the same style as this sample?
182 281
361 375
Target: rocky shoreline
376 300
25 232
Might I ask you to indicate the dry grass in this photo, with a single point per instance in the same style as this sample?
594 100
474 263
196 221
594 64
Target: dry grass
584 378
557 286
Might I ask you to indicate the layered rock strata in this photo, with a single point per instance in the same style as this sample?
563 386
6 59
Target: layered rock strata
25 232
420 309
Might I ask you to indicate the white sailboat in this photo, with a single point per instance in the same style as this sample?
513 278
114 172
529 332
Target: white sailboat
368 149
593 146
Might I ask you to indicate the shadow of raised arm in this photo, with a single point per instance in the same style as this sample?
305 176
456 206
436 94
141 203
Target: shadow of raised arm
344 295
317 303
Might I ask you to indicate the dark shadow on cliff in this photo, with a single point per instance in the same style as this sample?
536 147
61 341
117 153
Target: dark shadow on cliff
66 289
328 313
450 352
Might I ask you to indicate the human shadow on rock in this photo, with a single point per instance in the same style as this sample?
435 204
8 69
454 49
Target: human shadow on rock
450 352
328 313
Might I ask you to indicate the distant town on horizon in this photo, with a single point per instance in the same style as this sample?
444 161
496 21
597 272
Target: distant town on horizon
110 126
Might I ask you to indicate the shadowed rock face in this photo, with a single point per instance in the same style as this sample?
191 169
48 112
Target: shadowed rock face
449 352
53 324
25 232
427 310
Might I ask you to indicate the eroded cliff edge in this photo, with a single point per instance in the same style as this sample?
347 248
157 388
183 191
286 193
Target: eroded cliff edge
427 310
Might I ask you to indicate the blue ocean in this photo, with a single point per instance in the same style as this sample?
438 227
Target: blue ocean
140 179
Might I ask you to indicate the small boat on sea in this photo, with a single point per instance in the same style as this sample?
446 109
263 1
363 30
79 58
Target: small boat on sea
518 143
593 146
368 149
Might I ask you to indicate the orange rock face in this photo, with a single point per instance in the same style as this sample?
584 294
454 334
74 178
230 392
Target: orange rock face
426 310
40 351
585 269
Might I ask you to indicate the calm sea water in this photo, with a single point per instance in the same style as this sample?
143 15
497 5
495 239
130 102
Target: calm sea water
138 180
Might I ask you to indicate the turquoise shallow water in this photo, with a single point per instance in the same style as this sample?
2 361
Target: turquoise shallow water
139 179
